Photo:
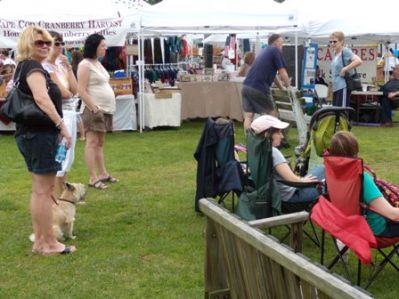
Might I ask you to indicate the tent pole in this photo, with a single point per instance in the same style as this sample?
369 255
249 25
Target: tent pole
142 85
296 59
141 80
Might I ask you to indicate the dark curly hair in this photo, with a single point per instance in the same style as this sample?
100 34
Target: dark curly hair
91 45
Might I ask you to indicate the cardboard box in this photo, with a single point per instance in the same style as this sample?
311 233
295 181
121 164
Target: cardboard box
121 86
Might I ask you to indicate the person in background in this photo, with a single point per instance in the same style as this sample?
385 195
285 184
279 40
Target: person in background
61 73
390 61
319 78
341 95
383 220
77 57
390 90
249 58
38 144
270 126
97 108
5 57
256 93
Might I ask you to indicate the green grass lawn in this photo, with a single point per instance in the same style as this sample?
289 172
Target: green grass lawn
140 238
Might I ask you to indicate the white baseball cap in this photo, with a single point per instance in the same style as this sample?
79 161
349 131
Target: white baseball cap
264 122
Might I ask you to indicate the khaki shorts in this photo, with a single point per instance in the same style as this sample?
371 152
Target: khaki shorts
96 122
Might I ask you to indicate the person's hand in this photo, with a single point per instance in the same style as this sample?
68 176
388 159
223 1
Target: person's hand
65 134
342 72
393 94
309 179
64 61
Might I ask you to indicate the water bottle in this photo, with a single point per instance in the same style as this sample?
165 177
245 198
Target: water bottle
60 155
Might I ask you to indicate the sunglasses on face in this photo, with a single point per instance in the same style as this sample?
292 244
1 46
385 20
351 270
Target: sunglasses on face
333 41
41 43
57 44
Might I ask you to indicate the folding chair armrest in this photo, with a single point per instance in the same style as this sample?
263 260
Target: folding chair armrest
300 184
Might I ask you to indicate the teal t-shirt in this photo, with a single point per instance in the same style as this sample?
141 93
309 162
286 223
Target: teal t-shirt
371 192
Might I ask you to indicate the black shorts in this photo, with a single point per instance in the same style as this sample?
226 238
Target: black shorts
255 101
38 150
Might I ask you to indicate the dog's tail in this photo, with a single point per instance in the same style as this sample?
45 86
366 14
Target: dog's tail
32 238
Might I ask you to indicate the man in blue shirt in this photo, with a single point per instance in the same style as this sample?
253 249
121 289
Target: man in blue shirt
256 94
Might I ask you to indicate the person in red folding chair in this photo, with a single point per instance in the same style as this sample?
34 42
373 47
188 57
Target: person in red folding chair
380 211
352 193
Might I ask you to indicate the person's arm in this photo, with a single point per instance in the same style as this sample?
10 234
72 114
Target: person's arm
383 207
284 77
355 62
73 84
37 84
286 173
83 82
393 94
65 93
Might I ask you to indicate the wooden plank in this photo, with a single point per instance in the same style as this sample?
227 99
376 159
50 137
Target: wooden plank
292 284
309 272
214 271
286 219
308 291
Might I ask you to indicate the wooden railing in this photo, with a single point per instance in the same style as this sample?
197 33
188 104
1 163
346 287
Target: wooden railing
242 262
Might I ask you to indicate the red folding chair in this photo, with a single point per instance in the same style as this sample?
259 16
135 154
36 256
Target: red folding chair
339 213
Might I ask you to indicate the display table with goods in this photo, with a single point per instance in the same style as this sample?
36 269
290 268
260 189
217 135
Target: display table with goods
162 109
125 116
211 98
367 106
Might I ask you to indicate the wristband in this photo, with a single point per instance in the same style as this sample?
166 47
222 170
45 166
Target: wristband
60 123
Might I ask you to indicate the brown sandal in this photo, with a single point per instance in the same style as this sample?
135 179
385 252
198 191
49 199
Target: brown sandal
98 185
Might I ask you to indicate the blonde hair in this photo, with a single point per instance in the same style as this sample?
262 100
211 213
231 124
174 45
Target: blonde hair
26 41
339 35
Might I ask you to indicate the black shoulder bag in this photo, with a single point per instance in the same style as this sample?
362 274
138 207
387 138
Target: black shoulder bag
21 107
353 82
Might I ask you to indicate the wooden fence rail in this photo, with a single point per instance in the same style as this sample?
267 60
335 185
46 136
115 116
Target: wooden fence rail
242 262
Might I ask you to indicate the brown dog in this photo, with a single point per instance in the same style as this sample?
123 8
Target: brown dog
64 211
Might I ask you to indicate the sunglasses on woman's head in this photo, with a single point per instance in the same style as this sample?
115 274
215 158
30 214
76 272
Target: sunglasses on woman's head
41 43
57 44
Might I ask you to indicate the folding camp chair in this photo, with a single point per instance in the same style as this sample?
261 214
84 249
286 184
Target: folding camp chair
260 197
218 173
339 213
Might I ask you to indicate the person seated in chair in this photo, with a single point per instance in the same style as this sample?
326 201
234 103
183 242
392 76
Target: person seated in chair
271 127
345 144
390 91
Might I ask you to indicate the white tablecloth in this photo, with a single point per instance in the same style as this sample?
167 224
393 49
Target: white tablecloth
162 112
125 117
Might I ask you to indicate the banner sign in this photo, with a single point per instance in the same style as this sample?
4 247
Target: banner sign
74 33
367 70
309 66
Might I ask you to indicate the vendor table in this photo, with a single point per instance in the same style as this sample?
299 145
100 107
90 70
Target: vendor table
366 105
204 99
162 111
125 116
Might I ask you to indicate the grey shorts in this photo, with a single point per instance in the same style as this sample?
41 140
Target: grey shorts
96 122
255 101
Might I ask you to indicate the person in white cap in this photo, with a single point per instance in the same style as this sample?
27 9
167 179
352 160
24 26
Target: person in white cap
271 127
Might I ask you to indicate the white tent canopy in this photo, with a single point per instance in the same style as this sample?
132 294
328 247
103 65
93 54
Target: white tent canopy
361 22
209 16
75 19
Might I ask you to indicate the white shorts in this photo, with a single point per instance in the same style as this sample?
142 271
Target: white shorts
70 122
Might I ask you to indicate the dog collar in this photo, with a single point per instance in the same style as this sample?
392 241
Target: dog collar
63 199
